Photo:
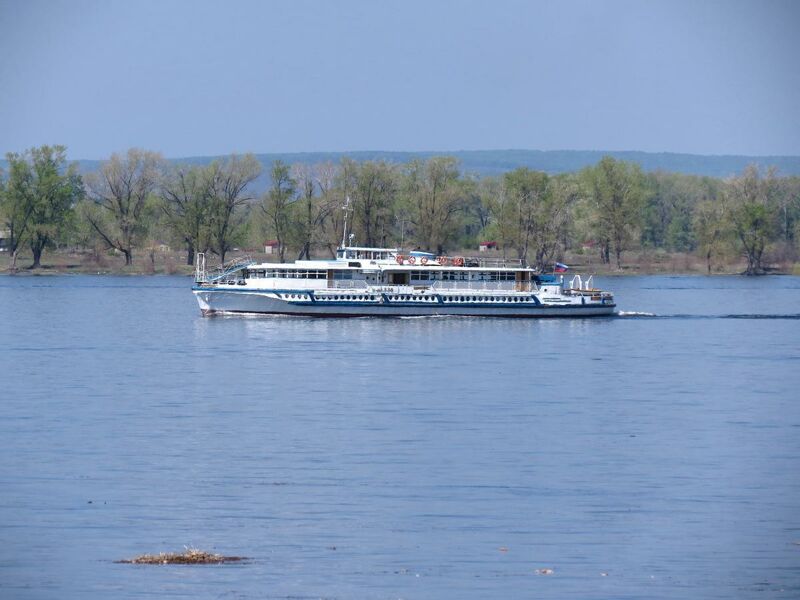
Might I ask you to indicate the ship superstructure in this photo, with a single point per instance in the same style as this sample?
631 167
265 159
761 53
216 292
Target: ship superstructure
366 281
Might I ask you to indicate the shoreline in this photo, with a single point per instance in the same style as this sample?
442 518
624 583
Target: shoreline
173 262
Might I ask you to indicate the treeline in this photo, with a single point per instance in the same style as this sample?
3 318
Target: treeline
609 208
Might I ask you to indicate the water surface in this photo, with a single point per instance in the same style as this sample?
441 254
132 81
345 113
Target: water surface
636 457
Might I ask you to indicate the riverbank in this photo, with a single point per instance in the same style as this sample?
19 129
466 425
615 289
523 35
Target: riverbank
643 262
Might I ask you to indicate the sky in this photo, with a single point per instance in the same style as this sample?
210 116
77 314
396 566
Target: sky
200 77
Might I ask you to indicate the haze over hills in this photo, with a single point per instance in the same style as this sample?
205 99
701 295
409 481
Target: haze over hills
494 162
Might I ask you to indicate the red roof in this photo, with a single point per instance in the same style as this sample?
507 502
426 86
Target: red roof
272 243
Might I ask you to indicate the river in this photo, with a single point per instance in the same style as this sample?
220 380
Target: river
651 455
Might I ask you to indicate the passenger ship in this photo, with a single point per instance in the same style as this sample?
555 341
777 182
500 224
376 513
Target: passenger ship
364 281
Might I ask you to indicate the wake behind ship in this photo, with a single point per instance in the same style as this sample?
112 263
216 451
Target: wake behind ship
364 281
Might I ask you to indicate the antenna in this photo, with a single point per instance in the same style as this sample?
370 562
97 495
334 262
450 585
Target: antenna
345 208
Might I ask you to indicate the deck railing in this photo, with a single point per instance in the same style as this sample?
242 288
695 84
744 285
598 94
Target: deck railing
493 263
226 269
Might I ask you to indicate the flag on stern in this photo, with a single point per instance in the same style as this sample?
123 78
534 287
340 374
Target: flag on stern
560 268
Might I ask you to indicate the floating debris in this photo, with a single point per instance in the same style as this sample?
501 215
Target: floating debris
192 556
503 549
544 571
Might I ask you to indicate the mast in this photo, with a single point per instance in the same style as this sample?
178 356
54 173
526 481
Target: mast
346 207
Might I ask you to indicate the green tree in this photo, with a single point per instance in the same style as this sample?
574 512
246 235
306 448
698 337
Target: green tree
57 188
227 184
616 189
752 207
276 204
187 206
17 203
374 192
120 192
539 211
436 196
709 225
42 191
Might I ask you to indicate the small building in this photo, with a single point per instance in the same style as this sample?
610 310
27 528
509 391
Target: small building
485 246
5 240
271 247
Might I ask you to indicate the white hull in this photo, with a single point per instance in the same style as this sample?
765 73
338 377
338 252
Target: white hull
221 301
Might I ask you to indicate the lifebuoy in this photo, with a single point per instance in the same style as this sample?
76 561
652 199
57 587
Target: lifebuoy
442 260
459 262
411 260
399 259
423 261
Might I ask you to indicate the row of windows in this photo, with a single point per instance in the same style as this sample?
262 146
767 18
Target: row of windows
462 276
486 299
403 298
415 275
363 254
286 274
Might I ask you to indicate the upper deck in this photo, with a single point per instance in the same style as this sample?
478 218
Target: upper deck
353 257
371 267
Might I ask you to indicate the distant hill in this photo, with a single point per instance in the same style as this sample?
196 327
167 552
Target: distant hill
494 162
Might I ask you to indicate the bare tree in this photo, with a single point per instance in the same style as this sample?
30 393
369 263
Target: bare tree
187 205
120 190
276 204
333 223
227 182
312 209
